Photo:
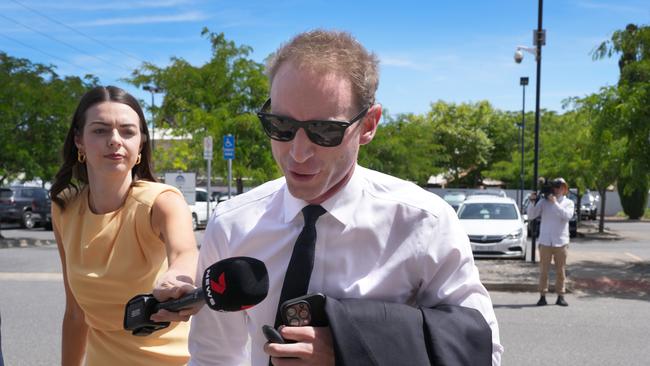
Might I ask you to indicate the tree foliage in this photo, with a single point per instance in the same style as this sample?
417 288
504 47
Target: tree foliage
602 148
213 99
36 106
602 139
633 119
403 146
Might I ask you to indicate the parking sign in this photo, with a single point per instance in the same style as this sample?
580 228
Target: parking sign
207 148
229 147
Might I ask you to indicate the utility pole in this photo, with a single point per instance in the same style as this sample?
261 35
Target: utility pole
153 90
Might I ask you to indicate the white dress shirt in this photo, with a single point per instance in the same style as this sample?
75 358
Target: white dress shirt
381 238
554 225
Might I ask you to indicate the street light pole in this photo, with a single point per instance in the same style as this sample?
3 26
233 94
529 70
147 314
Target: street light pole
152 89
523 81
539 40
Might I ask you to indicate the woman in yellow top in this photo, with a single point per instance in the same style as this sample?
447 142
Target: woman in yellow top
119 234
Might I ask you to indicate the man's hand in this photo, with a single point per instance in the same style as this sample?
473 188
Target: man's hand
173 286
552 198
532 197
313 347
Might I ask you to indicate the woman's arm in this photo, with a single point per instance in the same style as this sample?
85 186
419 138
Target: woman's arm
171 218
75 329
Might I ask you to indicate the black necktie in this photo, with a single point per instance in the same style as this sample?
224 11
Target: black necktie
296 279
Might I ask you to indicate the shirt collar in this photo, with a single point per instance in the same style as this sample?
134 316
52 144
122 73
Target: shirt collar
341 205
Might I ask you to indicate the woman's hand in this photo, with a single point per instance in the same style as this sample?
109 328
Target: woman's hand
173 286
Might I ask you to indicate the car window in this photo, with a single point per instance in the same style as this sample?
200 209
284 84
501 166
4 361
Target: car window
454 197
488 192
488 211
589 198
5 194
201 196
40 194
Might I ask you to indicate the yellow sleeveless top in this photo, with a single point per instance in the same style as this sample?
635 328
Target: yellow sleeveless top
109 259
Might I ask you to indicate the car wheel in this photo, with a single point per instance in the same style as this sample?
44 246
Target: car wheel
28 220
195 222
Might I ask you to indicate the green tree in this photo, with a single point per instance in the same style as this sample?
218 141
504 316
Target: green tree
404 146
633 45
462 131
35 110
602 152
505 161
214 99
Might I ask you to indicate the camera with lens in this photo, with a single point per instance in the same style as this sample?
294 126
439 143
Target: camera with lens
546 187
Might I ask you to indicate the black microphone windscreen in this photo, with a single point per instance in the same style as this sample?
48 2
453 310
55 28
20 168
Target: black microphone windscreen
236 283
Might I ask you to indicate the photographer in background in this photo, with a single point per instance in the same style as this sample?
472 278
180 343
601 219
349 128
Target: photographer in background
555 210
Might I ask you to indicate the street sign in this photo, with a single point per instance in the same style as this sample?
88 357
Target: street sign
185 182
207 148
228 147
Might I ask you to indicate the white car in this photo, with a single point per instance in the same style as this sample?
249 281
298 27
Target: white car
494 226
199 209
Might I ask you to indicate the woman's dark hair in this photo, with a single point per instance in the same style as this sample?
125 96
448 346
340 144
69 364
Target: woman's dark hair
73 175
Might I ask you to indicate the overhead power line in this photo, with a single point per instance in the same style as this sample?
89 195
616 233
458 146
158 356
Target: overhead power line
79 32
45 53
65 43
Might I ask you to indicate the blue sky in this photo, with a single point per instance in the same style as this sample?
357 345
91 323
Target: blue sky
455 51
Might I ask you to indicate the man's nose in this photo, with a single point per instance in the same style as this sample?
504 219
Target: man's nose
301 147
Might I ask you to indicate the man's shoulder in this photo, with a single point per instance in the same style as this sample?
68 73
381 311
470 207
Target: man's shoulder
399 191
240 203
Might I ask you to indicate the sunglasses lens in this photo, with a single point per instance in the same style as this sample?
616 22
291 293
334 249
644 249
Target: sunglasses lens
325 133
278 128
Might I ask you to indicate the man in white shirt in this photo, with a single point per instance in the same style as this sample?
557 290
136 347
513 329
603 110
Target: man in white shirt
555 210
380 237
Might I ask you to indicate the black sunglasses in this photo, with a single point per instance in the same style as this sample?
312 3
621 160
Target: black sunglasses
322 133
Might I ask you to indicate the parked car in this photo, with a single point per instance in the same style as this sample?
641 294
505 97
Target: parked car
454 199
494 226
488 192
29 206
589 206
221 196
200 209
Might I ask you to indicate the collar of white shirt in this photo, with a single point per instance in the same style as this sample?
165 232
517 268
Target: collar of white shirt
341 205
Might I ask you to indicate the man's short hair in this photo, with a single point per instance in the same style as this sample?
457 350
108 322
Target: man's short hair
331 51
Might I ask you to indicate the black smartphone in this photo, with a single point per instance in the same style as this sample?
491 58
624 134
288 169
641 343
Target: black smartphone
308 310
272 335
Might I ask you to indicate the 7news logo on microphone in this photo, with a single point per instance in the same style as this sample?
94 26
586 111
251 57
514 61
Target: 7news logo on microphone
209 284
232 284
235 284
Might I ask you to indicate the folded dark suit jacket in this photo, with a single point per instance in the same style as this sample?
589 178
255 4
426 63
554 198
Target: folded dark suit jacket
377 333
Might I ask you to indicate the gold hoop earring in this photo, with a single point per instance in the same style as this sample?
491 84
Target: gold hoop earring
81 157
137 161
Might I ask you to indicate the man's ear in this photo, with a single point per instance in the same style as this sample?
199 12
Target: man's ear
369 124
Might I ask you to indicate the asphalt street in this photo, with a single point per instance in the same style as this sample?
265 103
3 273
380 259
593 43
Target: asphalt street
598 328
591 331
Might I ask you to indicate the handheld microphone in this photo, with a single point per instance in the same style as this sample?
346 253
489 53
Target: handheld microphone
232 284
